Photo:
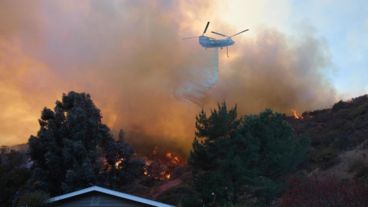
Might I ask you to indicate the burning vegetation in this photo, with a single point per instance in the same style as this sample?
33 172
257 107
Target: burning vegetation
296 115
161 165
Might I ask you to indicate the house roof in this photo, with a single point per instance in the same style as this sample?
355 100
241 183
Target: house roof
111 193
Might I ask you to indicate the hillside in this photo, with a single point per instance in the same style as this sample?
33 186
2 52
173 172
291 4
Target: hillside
339 148
339 144
335 130
343 126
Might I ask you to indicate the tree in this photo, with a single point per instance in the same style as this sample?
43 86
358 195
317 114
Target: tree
13 175
74 149
270 151
234 158
210 152
210 131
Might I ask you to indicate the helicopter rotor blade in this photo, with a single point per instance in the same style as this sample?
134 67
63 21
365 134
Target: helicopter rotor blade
205 29
187 38
240 32
219 34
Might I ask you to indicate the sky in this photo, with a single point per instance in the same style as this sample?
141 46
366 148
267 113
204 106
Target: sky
130 57
344 26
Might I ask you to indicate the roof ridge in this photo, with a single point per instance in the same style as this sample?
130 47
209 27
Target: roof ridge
111 193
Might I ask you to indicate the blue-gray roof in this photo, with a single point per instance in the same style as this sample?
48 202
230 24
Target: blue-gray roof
111 193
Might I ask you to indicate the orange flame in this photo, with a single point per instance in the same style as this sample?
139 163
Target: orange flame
173 158
296 115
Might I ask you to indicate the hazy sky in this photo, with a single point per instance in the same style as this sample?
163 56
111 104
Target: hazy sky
129 55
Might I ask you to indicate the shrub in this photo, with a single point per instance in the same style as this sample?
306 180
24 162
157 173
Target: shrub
326 156
324 192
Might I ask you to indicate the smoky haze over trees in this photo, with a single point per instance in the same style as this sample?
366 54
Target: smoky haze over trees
244 160
74 149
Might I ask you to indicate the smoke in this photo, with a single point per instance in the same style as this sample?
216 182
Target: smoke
279 72
130 57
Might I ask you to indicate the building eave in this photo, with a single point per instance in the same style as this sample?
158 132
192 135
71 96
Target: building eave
108 192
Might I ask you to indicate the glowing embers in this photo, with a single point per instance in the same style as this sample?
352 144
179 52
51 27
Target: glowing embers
161 165
175 160
119 163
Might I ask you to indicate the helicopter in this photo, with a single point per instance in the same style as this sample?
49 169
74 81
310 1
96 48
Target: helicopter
209 42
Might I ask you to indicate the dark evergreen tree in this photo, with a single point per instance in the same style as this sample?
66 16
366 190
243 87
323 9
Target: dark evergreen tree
74 149
233 158
270 151
211 151
14 174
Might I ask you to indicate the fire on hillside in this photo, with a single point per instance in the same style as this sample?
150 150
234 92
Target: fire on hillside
161 164
296 115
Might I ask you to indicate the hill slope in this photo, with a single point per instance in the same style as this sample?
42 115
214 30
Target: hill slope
335 130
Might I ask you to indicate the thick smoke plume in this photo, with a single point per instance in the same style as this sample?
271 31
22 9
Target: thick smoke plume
130 57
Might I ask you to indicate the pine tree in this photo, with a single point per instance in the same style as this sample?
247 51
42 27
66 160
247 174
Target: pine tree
270 151
210 152
74 149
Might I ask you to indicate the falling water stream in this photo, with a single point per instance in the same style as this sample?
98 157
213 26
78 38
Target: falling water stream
203 75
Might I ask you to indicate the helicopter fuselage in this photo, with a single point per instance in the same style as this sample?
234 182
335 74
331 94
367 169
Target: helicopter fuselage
208 42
